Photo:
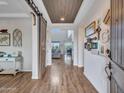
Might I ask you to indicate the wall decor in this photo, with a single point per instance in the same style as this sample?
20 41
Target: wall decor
89 46
17 38
102 49
85 45
107 18
108 53
4 39
94 45
95 48
90 29
4 30
105 37
98 30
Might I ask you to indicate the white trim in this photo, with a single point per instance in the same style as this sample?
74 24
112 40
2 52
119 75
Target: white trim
26 71
80 66
48 65
75 64
35 77
35 51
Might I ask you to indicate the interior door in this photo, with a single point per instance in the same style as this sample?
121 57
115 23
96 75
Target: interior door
117 46
42 44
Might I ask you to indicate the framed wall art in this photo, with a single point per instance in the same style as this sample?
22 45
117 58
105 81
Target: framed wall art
17 38
94 45
107 18
90 29
4 39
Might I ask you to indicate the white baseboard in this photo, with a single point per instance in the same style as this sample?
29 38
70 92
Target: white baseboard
48 65
35 77
75 64
26 71
80 66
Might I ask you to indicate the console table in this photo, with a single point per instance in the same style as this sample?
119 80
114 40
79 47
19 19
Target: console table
10 65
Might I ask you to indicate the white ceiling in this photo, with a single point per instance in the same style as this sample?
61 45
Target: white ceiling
14 8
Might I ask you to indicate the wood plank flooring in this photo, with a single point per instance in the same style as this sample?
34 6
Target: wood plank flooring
58 78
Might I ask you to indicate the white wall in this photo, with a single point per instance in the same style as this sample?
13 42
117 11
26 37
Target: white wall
94 70
75 49
25 26
80 47
59 35
94 64
48 48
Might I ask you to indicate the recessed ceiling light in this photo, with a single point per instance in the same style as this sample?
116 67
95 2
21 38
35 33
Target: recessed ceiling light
3 3
62 18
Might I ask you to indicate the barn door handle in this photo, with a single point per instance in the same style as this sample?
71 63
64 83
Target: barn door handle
108 67
107 73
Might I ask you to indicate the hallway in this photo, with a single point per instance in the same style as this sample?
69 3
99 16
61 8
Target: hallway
59 78
61 46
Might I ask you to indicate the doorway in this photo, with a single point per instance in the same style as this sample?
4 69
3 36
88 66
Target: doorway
62 45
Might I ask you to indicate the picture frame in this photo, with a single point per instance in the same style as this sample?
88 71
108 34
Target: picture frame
85 45
94 45
4 39
17 38
107 19
102 49
90 29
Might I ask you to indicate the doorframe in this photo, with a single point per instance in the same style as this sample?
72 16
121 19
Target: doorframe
35 38
75 47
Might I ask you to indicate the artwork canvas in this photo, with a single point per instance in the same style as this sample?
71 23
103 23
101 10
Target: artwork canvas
85 45
4 39
102 49
90 29
107 19
94 45
17 38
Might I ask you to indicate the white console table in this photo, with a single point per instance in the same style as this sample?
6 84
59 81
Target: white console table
10 65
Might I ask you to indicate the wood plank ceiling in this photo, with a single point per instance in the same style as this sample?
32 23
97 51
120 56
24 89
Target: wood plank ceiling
62 9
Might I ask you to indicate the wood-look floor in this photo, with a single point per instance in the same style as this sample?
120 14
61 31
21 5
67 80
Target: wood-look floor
59 78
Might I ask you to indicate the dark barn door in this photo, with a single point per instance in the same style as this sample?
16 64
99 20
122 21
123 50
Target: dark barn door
117 46
42 45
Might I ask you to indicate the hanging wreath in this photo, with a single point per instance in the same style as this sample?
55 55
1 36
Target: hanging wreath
105 37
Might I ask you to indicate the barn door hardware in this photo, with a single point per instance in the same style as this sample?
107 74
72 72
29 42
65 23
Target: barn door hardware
34 7
108 68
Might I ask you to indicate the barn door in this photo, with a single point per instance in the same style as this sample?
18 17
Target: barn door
42 44
117 46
